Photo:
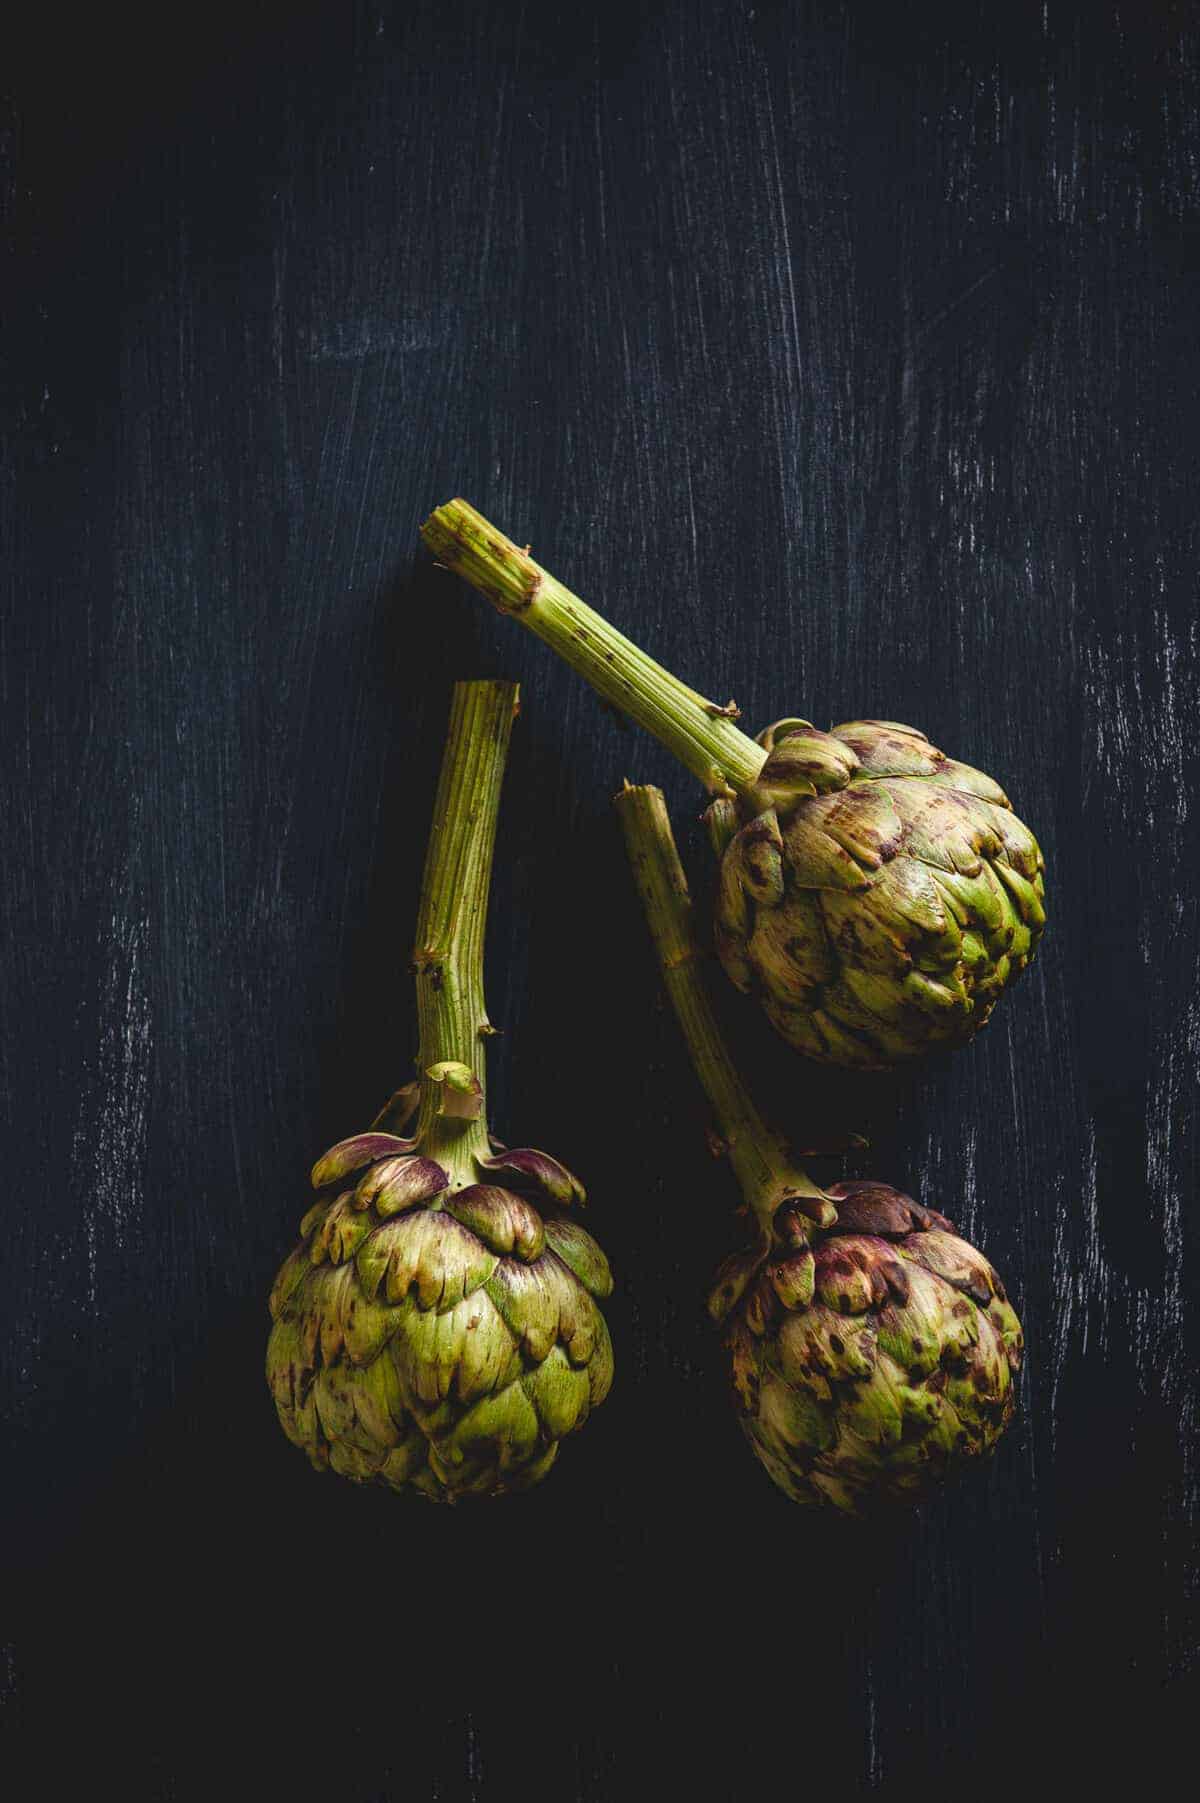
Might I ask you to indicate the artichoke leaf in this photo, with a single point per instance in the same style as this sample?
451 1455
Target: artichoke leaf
466 1352
580 1253
341 1232
968 781
395 1184
790 946
524 1167
600 1365
794 1418
352 1154
501 1426
559 1392
504 1221
294 1269
953 1259
805 761
820 1344
428 1252
862 819
885 749
526 1297
849 1272
816 858
793 1279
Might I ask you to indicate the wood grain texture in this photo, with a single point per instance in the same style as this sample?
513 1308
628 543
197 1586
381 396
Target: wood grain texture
848 360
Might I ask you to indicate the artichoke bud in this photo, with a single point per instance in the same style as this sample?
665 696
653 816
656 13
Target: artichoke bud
878 897
873 1363
434 1333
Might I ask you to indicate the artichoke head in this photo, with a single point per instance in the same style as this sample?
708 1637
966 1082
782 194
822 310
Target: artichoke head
435 1334
872 1361
876 895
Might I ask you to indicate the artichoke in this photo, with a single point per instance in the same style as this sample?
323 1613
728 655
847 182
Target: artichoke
438 1329
873 1360
875 895
873 1351
436 1333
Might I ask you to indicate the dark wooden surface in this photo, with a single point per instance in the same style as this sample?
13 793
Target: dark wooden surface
849 359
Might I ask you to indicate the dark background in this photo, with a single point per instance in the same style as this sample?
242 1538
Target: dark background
849 358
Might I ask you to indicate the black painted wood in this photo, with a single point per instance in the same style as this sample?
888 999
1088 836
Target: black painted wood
848 358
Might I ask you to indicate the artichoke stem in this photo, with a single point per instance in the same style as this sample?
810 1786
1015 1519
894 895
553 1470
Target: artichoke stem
451 923
700 734
761 1162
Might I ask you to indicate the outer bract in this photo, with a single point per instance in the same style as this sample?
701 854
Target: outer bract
877 896
433 1338
877 1361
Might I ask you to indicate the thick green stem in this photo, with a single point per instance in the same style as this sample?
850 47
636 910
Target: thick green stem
701 735
451 922
760 1159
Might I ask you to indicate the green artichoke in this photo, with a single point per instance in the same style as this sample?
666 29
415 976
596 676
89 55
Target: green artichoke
876 896
434 1334
873 1350
874 1363
437 1328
